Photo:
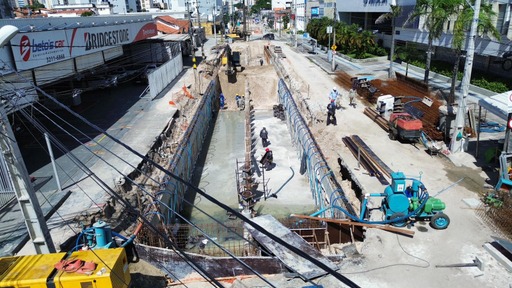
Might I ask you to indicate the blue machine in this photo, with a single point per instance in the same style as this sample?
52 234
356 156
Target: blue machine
407 200
101 236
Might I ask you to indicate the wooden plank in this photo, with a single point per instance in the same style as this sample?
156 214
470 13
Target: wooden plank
303 267
352 223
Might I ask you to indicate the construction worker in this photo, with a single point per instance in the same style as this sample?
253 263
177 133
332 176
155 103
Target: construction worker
237 99
331 113
221 100
334 97
351 96
267 159
264 137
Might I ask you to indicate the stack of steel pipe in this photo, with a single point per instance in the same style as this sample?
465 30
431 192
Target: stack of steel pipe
375 116
367 158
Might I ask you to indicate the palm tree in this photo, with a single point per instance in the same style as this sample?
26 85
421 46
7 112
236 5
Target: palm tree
395 12
460 29
436 13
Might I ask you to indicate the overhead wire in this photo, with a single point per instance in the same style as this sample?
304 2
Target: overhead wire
190 186
222 205
71 228
183 218
128 206
136 169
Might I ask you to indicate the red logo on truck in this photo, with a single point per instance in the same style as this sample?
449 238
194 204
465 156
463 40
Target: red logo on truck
25 48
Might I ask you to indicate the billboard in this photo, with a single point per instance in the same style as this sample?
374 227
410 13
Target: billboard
34 49
314 12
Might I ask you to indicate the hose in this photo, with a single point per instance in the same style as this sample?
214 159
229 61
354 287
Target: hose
284 184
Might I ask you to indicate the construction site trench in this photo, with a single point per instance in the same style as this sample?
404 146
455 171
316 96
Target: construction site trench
227 166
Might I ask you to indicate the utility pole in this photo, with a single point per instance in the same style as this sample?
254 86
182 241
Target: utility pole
215 20
192 40
295 21
333 64
458 139
200 29
232 15
244 19
329 31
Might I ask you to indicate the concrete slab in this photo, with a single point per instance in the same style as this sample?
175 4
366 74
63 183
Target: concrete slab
498 256
472 202
284 180
298 264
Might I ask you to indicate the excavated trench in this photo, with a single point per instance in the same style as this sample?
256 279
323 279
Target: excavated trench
228 168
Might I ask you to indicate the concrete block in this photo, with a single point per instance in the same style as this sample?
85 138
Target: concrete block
498 256
472 202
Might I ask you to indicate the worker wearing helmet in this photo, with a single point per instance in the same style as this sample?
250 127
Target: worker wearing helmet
334 97
267 159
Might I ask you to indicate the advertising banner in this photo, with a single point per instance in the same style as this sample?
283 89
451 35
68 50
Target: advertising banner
34 49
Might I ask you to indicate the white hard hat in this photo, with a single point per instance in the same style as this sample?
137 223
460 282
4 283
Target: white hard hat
334 88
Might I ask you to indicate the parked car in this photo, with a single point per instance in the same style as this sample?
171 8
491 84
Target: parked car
143 77
269 36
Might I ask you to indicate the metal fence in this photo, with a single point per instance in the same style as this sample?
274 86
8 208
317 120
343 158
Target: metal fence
6 186
324 188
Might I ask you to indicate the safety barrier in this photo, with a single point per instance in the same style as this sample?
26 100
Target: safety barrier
325 189
165 74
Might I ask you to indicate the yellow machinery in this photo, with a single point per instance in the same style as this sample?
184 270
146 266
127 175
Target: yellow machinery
38 271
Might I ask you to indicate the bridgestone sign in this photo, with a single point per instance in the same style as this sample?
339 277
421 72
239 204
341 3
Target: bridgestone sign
102 39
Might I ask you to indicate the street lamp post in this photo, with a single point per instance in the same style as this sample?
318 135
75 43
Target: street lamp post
295 21
457 141
200 29
215 20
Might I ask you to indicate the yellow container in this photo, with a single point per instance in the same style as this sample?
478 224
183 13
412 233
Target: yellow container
111 270
28 271
224 60
38 271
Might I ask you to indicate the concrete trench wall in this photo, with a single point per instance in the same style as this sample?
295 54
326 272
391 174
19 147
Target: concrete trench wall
183 161
324 188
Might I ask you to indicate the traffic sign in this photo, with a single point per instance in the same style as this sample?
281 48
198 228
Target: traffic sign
333 47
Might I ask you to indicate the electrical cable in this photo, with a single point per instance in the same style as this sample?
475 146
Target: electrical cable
148 193
153 228
48 132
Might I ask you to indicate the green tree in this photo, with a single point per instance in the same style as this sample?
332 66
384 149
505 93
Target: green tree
35 5
407 53
286 20
436 13
317 28
462 27
87 14
261 5
391 15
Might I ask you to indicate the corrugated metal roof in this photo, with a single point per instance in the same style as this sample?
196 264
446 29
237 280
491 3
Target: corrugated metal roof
43 24
172 37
